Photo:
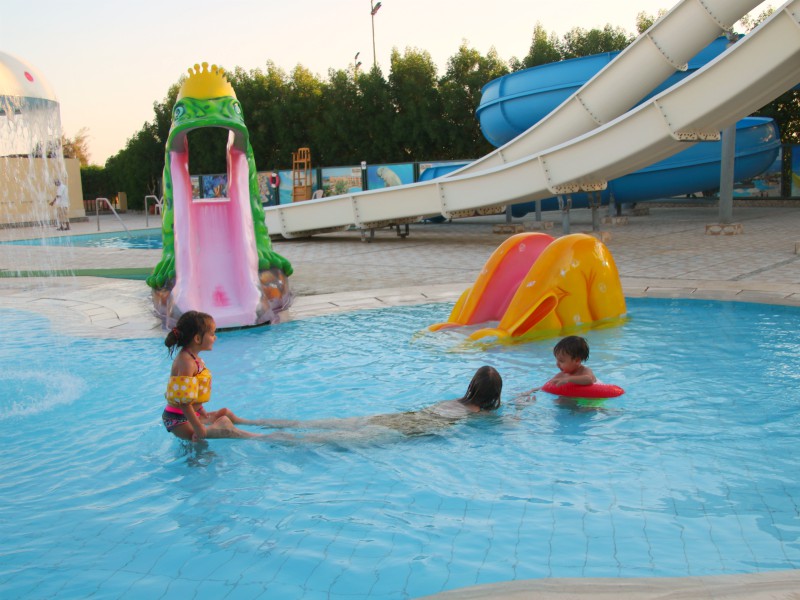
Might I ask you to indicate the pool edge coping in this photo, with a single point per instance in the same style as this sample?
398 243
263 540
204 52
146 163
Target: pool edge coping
92 306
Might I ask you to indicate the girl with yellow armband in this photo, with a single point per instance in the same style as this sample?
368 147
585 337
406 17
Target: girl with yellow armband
189 384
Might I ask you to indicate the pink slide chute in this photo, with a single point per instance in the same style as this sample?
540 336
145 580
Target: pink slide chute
216 261
488 298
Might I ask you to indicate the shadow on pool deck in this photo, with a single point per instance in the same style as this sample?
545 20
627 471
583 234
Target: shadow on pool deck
665 253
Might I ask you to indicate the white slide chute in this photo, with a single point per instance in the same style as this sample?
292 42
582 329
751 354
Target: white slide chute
587 141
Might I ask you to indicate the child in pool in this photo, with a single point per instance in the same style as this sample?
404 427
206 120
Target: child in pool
190 384
571 352
483 395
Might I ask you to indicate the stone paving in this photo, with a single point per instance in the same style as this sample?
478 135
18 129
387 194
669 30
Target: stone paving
665 253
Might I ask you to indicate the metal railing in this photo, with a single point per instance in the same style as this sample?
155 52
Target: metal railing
97 202
157 202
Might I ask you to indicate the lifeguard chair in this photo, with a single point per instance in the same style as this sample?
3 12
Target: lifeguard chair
301 175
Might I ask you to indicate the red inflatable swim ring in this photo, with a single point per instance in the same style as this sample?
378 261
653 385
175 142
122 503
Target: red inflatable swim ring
573 390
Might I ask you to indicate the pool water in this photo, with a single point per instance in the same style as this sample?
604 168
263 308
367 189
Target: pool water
139 239
692 472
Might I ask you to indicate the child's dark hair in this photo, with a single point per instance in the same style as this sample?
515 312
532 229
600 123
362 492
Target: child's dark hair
190 324
484 389
573 346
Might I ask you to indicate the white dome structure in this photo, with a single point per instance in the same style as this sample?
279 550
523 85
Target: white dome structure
20 79
30 116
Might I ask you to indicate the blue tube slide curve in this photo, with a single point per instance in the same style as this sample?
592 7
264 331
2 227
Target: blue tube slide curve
511 104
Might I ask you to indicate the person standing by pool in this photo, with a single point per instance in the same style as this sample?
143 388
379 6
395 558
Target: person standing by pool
61 202
189 384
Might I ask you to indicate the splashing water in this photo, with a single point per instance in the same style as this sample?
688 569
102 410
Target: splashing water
31 158
30 393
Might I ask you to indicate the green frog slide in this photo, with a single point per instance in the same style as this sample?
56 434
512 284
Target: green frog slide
217 256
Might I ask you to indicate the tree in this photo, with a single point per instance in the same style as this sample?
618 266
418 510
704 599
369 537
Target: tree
645 21
578 42
262 95
340 134
415 97
137 168
96 182
460 91
545 48
376 116
749 23
301 112
356 115
77 147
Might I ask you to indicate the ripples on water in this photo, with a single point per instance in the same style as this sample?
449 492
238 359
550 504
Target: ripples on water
691 472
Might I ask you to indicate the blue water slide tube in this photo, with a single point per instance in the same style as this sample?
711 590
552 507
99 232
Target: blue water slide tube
695 169
512 104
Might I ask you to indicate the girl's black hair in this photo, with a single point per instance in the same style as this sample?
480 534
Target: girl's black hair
573 346
484 389
190 324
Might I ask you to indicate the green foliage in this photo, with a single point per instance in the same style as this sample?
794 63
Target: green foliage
207 150
579 42
137 169
460 91
77 147
376 117
544 49
354 115
418 107
785 109
547 48
749 23
96 182
645 21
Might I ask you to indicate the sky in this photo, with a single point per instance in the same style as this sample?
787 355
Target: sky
108 61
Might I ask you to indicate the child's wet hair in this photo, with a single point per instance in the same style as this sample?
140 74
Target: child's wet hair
484 389
573 346
190 324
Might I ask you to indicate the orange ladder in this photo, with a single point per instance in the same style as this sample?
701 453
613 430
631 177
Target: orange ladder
301 175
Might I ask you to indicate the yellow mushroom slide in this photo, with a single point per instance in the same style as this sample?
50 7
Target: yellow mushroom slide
536 285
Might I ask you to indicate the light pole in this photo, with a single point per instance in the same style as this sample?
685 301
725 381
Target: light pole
357 63
373 9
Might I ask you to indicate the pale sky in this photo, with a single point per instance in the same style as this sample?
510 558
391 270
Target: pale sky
109 61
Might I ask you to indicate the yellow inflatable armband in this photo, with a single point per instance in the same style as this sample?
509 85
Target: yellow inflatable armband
181 390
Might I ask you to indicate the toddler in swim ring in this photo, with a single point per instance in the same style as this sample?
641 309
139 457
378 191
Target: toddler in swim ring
571 352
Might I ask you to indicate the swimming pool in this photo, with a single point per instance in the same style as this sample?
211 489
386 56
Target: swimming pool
692 472
138 239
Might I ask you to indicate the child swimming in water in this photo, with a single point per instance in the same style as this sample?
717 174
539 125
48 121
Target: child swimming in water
483 395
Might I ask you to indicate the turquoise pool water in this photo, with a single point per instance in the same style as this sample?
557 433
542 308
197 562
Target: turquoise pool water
692 472
140 239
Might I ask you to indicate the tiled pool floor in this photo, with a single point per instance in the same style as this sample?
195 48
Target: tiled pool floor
665 253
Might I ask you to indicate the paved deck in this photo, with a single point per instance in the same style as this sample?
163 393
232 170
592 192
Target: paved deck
665 253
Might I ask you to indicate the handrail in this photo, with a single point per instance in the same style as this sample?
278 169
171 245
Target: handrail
159 202
97 211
